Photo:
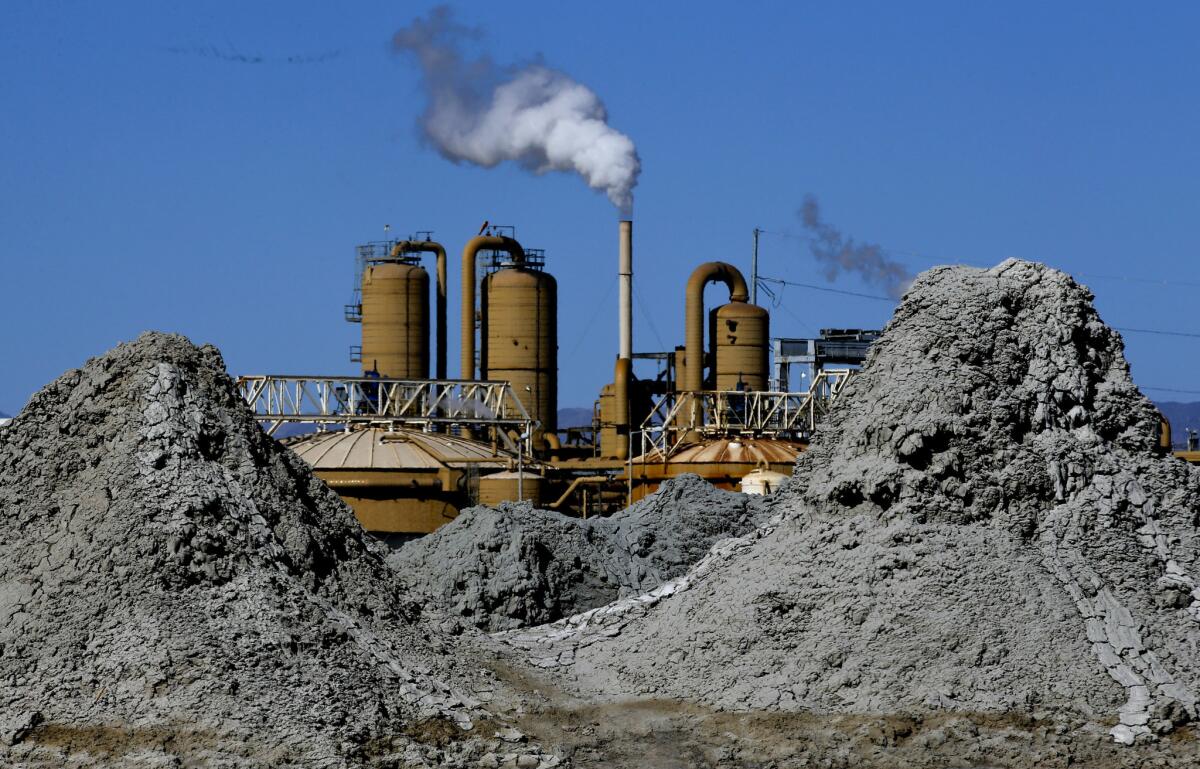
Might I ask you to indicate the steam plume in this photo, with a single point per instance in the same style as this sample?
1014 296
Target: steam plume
483 113
839 253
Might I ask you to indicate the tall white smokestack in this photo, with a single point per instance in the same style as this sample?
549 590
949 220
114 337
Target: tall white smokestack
625 278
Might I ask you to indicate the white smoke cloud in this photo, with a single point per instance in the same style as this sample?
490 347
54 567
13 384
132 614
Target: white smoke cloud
485 114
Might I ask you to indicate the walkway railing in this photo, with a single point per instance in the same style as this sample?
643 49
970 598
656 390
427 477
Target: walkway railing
787 415
424 404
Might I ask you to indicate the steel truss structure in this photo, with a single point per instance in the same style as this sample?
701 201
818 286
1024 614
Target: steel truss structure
787 415
451 405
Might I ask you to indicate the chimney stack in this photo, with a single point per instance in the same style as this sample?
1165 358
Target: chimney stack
625 279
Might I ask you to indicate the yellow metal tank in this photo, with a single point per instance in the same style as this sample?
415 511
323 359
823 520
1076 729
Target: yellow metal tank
509 487
740 335
395 319
399 481
609 437
520 338
723 462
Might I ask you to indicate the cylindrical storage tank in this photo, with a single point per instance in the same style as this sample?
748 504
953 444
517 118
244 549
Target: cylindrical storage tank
520 339
609 439
762 482
395 320
741 336
510 487
680 367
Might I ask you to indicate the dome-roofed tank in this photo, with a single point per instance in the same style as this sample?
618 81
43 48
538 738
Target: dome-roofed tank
739 338
395 318
520 339
723 462
399 481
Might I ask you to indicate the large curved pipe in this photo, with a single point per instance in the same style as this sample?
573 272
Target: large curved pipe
709 272
622 373
553 445
470 252
430 247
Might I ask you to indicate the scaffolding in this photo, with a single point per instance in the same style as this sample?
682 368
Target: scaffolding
760 414
838 346
429 405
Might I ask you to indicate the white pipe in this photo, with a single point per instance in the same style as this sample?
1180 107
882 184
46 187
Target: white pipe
625 279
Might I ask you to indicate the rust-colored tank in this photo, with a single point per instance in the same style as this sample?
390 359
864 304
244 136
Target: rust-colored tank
723 462
510 486
399 481
740 335
395 319
520 338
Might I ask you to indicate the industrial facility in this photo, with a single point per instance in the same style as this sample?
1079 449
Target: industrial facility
408 448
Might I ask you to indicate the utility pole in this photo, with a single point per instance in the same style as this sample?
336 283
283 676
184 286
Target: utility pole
754 270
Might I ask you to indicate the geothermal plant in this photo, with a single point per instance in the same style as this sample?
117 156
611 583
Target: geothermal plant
408 451
962 540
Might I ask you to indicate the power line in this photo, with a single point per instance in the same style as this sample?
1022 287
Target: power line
1162 282
1151 281
650 320
595 312
811 287
1169 390
1124 329
1157 331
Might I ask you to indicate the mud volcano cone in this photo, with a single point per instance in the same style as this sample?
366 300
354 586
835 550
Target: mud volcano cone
984 527
175 586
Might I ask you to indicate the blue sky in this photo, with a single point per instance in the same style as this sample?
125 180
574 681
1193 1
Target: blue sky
150 183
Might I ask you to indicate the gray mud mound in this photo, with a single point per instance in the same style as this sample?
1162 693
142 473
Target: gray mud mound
513 566
175 587
983 528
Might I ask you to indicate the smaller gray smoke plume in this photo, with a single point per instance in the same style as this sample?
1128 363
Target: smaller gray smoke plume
838 253
483 113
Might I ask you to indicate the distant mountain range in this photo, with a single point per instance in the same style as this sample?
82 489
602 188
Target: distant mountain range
574 417
1183 417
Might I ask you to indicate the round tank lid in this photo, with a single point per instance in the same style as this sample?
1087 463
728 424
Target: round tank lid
732 451
510 475
376 448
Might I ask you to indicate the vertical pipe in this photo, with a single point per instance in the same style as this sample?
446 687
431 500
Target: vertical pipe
625 279
429 246
440 372
709 272
624 367
621 375
754 270
466 345
470 252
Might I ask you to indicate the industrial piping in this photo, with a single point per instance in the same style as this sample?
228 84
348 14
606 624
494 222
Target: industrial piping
623 371
426 247
621 376
709 272
625 280
470 252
